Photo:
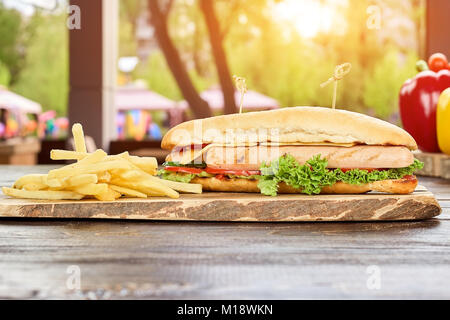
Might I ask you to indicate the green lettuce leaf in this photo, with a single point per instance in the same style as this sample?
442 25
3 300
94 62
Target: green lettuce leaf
181 176
233 176
187 177
314 175
310 177
177 177
188 165
269 187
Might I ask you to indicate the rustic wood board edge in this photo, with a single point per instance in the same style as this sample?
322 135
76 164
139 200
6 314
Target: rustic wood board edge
237 207
436 164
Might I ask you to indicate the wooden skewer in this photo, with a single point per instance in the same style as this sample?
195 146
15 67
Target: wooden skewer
339 72
242 87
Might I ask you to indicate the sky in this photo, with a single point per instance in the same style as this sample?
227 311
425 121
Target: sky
27 6
309 17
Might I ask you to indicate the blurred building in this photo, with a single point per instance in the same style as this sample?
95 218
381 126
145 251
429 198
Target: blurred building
253 101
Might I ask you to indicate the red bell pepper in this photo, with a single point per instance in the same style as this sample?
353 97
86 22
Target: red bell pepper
418 102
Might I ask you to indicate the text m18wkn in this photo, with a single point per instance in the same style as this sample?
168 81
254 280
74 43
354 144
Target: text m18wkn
246 309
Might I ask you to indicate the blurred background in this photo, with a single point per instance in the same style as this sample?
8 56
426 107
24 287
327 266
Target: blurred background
176 58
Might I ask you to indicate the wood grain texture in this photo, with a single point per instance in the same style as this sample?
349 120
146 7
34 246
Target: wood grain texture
127 259
236 207
436 164
19 151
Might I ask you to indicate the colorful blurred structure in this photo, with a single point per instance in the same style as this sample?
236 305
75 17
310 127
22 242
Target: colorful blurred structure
19 129
51 127
11 100
21 117
18 115
134 118
141 119
253 101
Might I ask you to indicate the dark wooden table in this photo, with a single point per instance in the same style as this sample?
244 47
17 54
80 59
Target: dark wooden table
167 260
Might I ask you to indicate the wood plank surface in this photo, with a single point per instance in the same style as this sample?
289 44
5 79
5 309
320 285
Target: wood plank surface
436 164
127 259
236 207
20 151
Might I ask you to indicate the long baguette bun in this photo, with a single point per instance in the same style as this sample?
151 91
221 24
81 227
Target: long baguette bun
289 125
399 186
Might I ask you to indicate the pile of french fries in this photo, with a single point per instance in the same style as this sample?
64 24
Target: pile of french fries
97 175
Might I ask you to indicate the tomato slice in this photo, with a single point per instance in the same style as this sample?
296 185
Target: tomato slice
184 170
233 172
246 173
221 172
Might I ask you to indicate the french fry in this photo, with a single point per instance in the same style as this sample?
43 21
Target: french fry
30 179
77 168
92 189
97 175
78 137
149 165
104 177
67 155
152 182
152 185
34 187
157 189
141 187
42 195
97 156
128 192
67 172
83 179
131 175
183 187
122 156
110 195
55 183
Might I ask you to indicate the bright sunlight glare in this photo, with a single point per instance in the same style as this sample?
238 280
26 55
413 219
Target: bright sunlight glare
309 17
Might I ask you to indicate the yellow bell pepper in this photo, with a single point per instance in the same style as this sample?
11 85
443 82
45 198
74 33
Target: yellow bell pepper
443 121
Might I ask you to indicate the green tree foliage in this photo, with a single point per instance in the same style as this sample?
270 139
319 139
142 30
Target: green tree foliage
278 62
5 76
126 36
284 68
129 13
45 74
154 71
10 41
159 78
381 87
273 57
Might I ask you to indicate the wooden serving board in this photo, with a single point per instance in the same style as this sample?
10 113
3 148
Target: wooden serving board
237 207
436 164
